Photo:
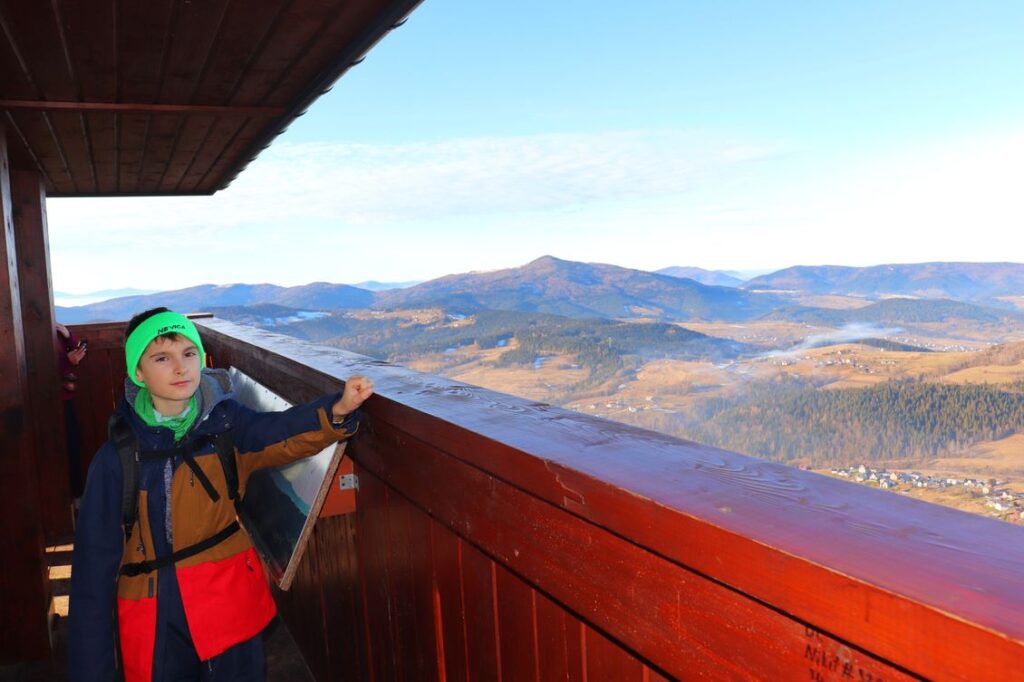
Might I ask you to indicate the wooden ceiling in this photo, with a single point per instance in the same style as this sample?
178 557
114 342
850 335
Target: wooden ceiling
145 97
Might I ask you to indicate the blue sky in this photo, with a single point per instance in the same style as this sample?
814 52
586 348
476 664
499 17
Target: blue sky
724 135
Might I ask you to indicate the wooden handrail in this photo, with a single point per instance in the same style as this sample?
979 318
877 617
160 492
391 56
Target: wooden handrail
896 578
687 557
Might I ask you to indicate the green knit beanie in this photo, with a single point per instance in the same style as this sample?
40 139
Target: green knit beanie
158 325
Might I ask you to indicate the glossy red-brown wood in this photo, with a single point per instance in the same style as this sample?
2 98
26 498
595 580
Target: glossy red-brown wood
657 609
305 611
746 565
414 579
558 654
116 107
100 383
12 336
44 409
23 591
451 624
106 94
605 660
517 627
559 641
479 598
338 580
376 570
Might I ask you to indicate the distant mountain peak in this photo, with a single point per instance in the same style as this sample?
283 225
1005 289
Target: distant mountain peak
711 277
374 285
574 289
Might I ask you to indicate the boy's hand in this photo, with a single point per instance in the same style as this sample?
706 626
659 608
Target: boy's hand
357 390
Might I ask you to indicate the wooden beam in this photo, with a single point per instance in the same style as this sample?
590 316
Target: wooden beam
12 340
24 632
137 108
44 408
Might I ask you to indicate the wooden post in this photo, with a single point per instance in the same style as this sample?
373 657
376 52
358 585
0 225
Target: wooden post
44 410
24 632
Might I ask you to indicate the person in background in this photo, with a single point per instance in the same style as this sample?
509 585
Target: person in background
70 352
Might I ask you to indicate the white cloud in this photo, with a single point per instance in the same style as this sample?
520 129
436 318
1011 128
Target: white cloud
360 184
350 212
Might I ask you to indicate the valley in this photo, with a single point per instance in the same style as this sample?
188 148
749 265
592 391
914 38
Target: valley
903 370
672 395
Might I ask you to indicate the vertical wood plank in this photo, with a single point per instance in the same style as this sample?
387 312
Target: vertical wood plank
481 632
44 408
558 642
652 675
575 634
23 589
342 598
12 336
100 388
373 541
448 581
414 593
303 611
517 628
606 660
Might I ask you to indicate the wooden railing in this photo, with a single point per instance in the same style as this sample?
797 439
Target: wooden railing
496 538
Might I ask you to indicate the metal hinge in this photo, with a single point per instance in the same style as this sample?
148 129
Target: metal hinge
348 482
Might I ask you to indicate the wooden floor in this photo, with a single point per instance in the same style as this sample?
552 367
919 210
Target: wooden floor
284 662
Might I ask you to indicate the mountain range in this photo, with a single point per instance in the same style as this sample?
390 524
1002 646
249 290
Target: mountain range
315 296
560 287
572 289
958 281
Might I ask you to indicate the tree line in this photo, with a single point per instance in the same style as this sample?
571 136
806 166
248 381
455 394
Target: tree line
889 421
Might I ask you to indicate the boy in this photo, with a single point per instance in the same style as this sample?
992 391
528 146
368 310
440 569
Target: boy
186 588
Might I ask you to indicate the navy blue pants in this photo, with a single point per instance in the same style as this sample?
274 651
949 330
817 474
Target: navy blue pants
243 662
174 657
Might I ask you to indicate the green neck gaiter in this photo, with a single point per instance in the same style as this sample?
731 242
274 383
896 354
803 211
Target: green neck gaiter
180 424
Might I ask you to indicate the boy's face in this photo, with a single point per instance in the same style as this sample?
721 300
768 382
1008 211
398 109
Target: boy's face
170 370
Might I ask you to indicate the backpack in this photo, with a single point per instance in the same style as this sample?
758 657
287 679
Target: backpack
127 445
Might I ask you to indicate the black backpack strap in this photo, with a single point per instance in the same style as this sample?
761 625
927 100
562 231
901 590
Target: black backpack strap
140 567
124 441
225 445
123 438
186 452
186 456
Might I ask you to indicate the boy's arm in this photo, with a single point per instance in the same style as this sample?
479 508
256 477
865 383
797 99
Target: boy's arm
99 546
274 438
279 437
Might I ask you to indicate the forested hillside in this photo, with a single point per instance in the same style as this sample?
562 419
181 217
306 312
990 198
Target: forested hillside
890 421
603 347
895 311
